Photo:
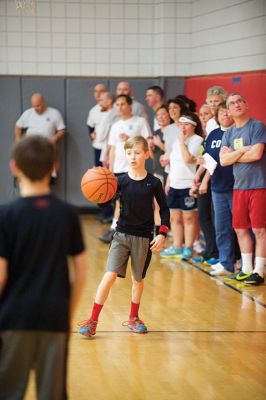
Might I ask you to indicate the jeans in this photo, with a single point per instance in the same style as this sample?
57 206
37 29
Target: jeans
225 236
206 222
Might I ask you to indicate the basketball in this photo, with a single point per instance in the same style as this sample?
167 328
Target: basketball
98 185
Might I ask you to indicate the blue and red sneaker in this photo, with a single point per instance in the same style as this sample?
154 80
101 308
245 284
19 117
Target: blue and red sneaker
87 328
135 325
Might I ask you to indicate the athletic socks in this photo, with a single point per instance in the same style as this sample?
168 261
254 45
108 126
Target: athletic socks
134 310
96 309
247 267
259 266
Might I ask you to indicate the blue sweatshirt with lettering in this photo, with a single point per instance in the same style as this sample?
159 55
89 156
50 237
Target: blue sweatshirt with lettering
222 180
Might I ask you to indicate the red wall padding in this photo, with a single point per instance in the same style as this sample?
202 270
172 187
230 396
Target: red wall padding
251 85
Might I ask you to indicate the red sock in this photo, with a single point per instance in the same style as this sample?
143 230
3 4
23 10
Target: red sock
134 311
97 308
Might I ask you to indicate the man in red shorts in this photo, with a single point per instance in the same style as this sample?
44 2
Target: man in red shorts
243 146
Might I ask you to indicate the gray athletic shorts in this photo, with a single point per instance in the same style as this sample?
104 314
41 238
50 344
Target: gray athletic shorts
124 246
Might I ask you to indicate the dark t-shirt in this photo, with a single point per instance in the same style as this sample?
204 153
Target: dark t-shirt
222 180
36 236
137 205
157 168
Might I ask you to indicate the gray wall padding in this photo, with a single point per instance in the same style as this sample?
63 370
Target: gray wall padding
10 109
73 97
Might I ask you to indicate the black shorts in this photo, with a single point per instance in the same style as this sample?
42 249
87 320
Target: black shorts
179 199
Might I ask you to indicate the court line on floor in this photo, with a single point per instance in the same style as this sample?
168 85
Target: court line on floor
181 331
249 296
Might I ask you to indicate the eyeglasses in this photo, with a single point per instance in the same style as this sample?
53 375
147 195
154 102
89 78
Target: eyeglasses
234 103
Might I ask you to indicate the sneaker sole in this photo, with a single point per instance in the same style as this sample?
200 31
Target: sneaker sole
136 331
253 283
231 277
172 256
87 334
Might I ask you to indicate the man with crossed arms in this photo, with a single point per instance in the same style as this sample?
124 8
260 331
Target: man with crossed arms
243 146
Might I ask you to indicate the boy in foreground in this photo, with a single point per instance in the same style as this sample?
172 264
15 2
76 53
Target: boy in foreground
37 300
134 234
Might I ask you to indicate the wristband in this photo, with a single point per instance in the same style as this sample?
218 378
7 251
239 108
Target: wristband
163 230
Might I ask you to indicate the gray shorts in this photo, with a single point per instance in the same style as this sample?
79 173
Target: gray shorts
124 246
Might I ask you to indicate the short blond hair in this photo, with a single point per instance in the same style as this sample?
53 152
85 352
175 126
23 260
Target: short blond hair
131 142
216 90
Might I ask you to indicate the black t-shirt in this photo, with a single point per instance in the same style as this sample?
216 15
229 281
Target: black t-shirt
37 234
157 168
137 205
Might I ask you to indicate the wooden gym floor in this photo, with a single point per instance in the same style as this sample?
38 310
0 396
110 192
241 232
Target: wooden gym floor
206 339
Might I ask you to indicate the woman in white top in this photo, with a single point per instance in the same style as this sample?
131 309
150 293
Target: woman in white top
176 107
183 207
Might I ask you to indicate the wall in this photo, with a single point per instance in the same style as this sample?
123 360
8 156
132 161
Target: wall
133 37
252 85
228 36
89 37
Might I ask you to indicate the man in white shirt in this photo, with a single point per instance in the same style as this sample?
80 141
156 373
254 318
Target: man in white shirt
93 121
106 103
137 108
127 126
154 99
41 120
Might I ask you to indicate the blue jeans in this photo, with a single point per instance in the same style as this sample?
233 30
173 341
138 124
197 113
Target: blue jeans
225 237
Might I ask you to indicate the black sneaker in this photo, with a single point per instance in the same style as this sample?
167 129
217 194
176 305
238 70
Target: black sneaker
53 180
107 237
254 279
231 277
242 275
107 220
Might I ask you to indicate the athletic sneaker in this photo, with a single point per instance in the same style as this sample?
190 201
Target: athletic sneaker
242 275
231 277
218 269
171 252
198 247
254 279
211 261
87 328
186 253
198 259
135 325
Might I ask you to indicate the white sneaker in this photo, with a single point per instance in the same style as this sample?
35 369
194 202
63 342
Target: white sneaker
216 266
219 270
198 247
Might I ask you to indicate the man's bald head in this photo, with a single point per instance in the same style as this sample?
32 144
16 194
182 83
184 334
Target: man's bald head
99 89
124 88
38 103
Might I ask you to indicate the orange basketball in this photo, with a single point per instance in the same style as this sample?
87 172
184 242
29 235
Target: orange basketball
98 184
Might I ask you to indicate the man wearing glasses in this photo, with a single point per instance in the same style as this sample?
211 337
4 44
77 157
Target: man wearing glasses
243 146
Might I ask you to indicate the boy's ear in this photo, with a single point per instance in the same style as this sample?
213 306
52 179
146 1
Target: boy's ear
13 167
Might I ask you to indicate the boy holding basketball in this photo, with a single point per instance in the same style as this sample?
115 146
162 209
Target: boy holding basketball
134 234
37 301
